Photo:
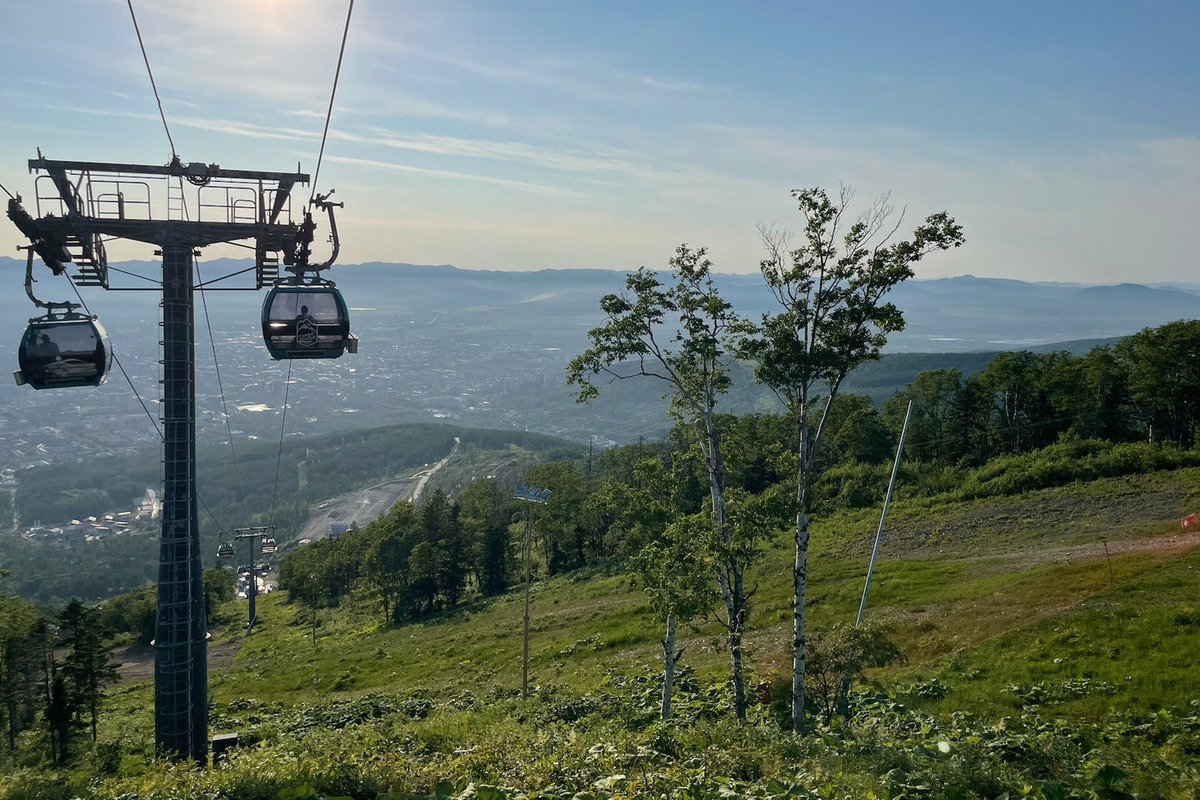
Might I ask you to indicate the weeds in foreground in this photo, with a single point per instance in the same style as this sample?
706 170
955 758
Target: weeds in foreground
610 744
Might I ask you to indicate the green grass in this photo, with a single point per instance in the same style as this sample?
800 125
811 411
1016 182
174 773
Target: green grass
943 602
1017 624
1134 644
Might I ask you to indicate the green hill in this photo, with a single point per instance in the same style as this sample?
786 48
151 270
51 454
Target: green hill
1048 638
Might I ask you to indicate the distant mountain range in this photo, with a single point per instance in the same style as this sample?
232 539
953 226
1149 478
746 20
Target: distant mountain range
489 349
959 314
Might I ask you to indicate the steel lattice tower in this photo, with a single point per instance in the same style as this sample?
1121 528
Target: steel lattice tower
149 204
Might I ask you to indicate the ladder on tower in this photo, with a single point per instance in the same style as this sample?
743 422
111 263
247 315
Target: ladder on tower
89 258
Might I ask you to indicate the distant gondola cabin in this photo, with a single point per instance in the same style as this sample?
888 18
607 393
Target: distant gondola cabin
56 353
306 322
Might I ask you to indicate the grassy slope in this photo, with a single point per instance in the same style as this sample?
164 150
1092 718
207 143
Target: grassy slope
982 595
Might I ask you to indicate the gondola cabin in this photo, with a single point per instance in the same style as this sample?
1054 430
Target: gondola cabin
307 322
269 546
225 551
63 351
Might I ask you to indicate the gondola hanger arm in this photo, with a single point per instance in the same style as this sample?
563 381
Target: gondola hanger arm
321 201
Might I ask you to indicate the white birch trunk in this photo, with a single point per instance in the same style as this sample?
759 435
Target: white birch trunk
669 659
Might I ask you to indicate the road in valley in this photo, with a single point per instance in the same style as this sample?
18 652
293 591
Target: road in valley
359 508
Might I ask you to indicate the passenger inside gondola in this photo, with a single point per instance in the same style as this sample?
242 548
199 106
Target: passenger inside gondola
60 353
63 351
304 321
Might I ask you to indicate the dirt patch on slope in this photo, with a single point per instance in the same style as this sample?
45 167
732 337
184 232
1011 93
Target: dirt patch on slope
1033 522
135 663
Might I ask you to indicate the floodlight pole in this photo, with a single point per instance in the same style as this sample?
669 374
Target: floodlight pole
534 496
88 203
883 516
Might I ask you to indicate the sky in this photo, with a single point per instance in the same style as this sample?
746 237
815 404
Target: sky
1064 136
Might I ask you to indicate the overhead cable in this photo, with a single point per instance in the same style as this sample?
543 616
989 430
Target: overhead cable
221 387
329 113
287 385
153 85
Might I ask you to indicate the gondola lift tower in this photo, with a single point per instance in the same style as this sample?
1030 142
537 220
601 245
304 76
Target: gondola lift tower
79 205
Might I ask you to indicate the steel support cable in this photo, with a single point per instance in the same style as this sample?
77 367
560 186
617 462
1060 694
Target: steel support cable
227 277
135 275
7 192
142 402
287 385
237 469
333 93
153 85
120 366
221 388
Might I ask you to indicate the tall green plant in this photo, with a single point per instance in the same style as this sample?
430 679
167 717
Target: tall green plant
678 333
833 316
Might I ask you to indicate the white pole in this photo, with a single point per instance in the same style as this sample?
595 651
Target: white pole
883 517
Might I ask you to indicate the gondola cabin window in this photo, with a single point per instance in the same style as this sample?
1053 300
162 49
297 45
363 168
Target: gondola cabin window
63 353
305 322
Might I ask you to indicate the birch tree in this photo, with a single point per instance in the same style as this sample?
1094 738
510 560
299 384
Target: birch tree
832 317
671 563
679 333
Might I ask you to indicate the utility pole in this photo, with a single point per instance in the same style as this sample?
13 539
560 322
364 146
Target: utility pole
887 499
80 205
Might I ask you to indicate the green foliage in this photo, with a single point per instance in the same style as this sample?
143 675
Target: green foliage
606 744
134 613
841 654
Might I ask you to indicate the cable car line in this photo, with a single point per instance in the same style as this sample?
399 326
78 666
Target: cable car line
111 268
206 284
145 408
11 196
221 389
153 85
287 385
333 93
120 366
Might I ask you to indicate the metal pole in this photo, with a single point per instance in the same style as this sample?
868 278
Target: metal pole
525 643
180 654
253 540
883 517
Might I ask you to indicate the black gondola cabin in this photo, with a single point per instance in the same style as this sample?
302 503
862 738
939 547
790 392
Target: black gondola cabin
61 352
306 322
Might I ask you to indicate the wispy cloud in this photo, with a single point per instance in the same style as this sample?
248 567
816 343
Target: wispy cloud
520 186
485 149
233 128
666 84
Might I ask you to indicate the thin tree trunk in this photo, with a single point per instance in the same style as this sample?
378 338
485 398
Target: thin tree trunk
729 574
800 573
10 691
669 659
799 620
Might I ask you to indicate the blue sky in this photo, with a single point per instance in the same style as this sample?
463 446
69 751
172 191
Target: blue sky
1064 136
